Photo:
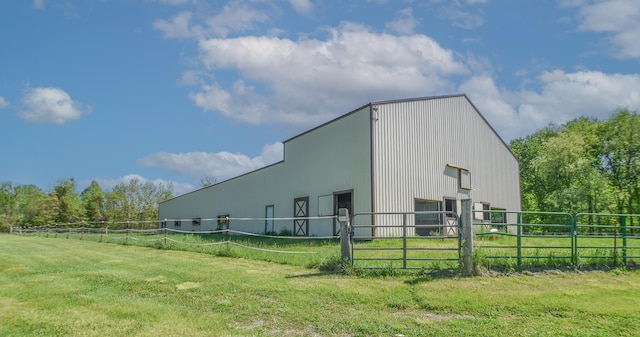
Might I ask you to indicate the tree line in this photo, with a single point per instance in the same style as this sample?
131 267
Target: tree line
28 205
583 166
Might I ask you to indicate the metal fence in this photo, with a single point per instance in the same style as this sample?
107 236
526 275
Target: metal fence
409 240
607 236
556 238
241 237
401 245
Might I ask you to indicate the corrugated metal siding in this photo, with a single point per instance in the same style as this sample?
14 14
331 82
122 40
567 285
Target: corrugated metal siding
414 141
335 157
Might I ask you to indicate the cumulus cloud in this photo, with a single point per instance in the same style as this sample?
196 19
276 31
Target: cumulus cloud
405 22
179 27
620 19
561 97
302 6
234 17
460 15
4 103
51 105
307 81
221 165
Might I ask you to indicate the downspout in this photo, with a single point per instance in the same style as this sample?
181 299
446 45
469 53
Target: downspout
372 119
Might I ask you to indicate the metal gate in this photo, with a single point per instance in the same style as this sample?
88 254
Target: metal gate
402 241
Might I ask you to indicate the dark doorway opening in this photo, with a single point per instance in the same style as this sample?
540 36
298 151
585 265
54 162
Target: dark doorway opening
341 200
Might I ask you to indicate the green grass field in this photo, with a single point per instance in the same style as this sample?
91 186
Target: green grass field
492 251
61 287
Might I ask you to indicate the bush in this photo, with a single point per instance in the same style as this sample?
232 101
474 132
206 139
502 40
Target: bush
286 232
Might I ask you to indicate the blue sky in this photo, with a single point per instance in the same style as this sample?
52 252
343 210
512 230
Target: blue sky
173 91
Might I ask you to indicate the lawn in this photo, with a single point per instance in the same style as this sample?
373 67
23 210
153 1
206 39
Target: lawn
60 287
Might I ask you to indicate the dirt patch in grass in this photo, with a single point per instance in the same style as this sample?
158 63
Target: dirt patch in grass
188 285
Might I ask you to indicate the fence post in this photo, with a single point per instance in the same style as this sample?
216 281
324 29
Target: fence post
164 227
624 240
345 228
519 238
574 237
466 237
404 240
226 232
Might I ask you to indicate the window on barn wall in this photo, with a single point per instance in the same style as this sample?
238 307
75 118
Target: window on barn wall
427 223
268 222
177 223
195 222
223 221
450 206
464 179
499 218
486 216
483 216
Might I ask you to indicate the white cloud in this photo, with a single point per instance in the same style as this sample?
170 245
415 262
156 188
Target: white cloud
561 97
38 4
191 78
460 16
108 184
234 17
51 105
170 2
309 80
221 165
405 22
179 27
4 103
619 18
302 6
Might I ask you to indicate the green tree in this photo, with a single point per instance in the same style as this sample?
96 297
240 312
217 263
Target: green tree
560 169
93 200
568 165
534 188
33 206
208 181
69 206
8 206
136 200
620 156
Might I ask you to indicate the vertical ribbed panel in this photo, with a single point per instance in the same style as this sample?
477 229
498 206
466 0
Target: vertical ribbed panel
415 141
